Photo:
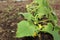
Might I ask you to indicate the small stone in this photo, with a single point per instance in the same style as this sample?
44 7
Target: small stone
12 24
12 31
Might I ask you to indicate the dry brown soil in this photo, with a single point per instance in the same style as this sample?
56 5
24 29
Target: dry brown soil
9 19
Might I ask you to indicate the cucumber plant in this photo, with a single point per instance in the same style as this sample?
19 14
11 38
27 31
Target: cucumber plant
39 17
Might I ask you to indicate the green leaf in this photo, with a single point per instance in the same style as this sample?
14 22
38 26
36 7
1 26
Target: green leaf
53 17
39 1
27 16
25 29
54 33
48 27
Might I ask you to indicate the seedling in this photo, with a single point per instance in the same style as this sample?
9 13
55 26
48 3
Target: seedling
39 17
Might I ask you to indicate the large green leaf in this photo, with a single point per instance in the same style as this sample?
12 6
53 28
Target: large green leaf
54 32
25 29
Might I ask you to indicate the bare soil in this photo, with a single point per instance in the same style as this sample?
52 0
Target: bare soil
9 19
